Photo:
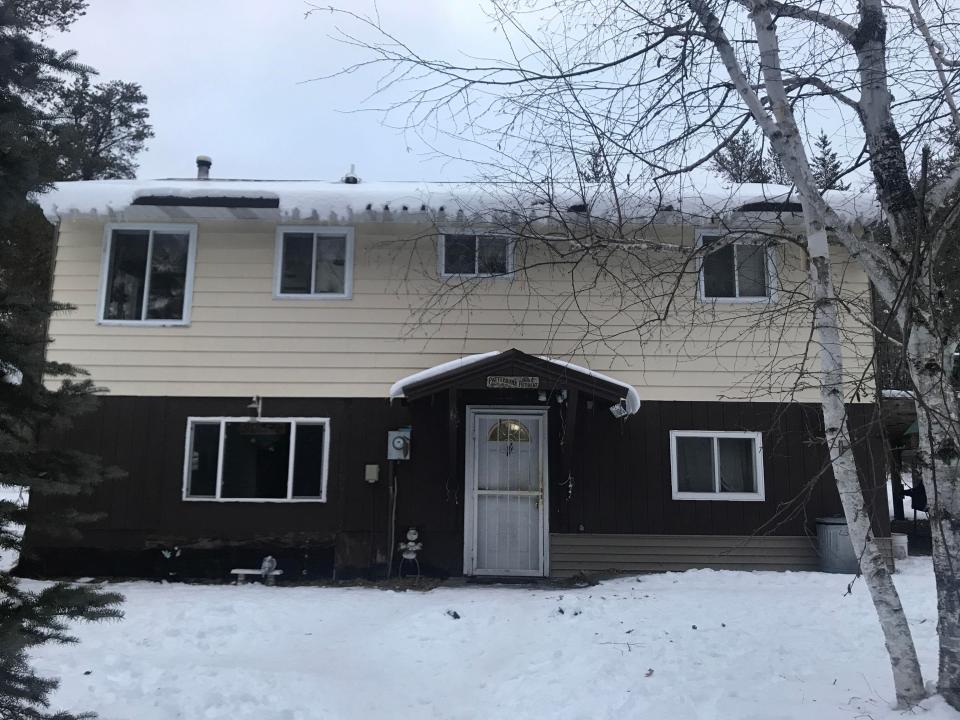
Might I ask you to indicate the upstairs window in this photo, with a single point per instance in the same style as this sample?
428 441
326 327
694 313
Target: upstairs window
716 465
314 263
257 459
147 274
475 255
734 272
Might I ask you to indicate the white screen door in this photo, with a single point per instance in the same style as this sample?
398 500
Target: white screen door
505 520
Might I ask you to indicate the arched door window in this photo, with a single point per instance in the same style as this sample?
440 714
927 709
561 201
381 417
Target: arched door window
509 431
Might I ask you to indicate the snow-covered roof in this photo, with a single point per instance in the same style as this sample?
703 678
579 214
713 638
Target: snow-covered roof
396 390
339 202
632 398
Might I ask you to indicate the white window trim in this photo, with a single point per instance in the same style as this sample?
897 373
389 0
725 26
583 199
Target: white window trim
223 420
770 297
317 230
441 254
757 437
108 229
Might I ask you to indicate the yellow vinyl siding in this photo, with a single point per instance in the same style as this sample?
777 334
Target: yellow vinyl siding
401 319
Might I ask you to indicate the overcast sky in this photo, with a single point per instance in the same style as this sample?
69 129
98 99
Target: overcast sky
225 78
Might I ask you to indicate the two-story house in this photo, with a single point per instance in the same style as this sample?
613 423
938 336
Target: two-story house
308 369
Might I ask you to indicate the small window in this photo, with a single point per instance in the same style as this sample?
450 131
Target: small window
475 255
738 271
250 459
509 431
314 263
147 274
716 465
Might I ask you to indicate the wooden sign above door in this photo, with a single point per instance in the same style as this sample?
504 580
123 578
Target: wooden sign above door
512 382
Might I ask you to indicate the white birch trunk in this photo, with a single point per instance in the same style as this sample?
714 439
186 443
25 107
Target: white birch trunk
782 131
907 678
937 418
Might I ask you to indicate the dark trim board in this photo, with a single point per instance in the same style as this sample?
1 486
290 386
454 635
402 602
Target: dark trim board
206 201
609 486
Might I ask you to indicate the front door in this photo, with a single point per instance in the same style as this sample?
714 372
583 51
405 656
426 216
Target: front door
505 526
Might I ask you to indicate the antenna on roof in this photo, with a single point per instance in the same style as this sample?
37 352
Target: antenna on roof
351 178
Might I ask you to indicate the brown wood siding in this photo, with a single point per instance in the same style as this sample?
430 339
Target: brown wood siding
613 480
621 472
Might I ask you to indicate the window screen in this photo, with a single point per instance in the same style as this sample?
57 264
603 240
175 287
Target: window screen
460 254
204 456
127 274
695 464
297 259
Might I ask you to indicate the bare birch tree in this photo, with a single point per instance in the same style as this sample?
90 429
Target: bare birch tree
664 86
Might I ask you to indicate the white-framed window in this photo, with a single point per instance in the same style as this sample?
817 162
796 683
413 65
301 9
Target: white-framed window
313 263
475 255
716 465
146 274
737 272
242 459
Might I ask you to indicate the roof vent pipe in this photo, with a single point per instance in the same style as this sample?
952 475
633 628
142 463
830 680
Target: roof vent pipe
203 167
351 177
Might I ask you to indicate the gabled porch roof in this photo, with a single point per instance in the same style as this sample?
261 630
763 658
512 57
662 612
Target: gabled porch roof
472 371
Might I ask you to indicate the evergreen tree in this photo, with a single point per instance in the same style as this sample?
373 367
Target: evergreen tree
776 170
30 75
31 412
595 169
741 161
826 167
945 156
97 130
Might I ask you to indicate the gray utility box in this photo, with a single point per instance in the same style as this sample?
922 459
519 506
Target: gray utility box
835 546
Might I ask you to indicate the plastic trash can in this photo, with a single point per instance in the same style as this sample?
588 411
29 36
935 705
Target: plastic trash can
835 547
900 546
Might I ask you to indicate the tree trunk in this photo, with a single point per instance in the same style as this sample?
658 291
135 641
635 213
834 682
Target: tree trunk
937 418
907 679
784 137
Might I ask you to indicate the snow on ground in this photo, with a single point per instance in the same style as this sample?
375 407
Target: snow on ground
907 500
699 645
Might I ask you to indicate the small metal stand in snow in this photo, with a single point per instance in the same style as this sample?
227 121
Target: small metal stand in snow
268 572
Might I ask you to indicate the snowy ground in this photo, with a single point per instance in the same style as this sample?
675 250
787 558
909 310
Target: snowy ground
700 645
907 501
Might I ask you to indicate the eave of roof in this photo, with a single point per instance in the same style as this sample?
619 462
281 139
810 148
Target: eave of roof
434 202
456 372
